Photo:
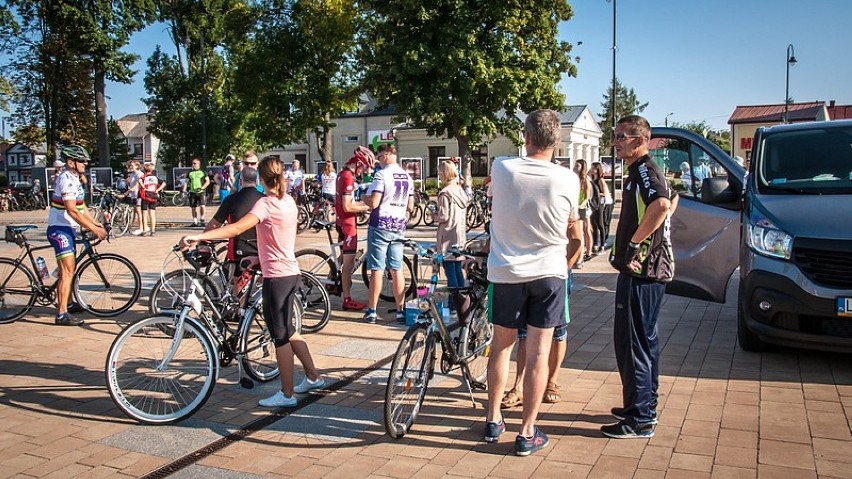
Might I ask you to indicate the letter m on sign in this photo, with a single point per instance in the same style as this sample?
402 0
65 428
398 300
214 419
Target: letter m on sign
745 143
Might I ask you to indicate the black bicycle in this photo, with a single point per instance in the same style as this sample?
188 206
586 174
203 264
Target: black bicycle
104 284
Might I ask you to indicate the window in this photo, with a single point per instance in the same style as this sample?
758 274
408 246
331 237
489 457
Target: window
13 159
351 139
435 152
685 164
137 149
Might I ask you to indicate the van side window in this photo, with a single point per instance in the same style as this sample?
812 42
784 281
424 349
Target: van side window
686 165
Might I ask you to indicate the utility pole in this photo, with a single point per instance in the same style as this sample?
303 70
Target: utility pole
203 103
612 98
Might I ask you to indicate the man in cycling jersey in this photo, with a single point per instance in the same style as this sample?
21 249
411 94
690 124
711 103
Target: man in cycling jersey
197 181
67 212
347 209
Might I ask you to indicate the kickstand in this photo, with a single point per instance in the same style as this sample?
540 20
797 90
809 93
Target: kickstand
466 377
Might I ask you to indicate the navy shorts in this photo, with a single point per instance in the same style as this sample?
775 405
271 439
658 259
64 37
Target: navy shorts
539 303
560 333
62 238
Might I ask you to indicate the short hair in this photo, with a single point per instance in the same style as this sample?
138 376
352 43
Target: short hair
636 125
149 167
387 148
542 128
447 171
248 175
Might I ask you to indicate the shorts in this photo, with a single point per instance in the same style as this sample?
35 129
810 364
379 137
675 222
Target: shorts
583 213
560 333
347 234
278 296
62 238
384 249
539 303
197 199
147 205
137 202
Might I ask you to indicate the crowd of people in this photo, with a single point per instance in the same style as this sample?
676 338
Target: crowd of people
546 219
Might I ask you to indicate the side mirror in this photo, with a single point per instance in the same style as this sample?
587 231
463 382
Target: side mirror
717 191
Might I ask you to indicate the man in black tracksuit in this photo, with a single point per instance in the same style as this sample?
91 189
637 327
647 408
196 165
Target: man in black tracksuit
642 253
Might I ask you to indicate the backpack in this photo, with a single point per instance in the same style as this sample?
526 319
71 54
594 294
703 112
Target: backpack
148 196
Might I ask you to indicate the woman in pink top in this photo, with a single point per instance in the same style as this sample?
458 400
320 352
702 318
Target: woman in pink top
274 216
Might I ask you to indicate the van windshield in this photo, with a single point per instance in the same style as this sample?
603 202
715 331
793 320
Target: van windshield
816 161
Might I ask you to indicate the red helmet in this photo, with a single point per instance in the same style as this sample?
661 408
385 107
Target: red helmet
363 157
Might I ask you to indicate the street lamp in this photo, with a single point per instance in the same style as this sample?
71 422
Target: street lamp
791 60
667 119
613 95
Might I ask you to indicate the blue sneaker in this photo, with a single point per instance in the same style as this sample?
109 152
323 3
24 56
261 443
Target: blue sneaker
524 446
400 317
624 430
370 316
619 413
493 430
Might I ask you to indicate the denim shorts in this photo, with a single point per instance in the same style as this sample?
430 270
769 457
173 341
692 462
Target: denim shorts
383 249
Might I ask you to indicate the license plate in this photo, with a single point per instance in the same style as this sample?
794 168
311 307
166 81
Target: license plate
844 307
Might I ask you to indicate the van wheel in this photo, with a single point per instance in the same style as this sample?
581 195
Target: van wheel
748 340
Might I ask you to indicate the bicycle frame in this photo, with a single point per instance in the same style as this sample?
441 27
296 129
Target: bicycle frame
45 290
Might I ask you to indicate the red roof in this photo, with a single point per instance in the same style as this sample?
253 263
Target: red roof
774 113
839 112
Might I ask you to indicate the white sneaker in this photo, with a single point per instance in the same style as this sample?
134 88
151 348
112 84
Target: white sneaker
136 232
278 400
306 385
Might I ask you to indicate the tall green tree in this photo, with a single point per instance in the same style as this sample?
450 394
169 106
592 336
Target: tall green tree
626 103
465 69
723 138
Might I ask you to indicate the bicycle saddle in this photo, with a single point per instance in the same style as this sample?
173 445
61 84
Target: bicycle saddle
20 228
323 224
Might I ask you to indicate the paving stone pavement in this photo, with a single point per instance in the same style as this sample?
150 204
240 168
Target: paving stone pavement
723 412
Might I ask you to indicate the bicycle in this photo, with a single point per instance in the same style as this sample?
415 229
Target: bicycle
104 284
478 212
216 277
413 364
327 267
113 211
162 368
180 198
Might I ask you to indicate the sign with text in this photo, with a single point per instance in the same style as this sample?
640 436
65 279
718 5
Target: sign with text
379 137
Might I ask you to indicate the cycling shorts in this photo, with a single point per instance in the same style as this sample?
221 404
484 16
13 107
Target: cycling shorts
278 296
197 199
62 238
348 236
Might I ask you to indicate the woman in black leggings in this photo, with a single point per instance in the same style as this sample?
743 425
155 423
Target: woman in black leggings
600 224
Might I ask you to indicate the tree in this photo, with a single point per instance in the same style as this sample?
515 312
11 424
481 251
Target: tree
721 138
465 70
626 103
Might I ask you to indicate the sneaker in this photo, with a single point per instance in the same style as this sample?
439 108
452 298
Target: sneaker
350 304
306 385
75 308
618 413
202 223
66 319
137 232
278 400
370 316
194 222
400 317
525 446
623 430
493 430
151 233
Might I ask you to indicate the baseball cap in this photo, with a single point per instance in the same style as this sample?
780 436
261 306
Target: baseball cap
229 157
58 164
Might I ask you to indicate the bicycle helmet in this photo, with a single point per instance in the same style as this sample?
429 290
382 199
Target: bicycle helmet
363 157
74 152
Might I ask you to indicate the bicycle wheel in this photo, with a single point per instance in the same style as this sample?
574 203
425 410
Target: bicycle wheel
303 219
316 305
167 298
319 264
409 377
154 393
106 285
472 216
362 218
17 293
179 199
479 345
429 212
258 351
414 216
121 220
387 285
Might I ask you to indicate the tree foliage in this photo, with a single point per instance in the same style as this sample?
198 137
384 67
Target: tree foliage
723 138
465 70
626 103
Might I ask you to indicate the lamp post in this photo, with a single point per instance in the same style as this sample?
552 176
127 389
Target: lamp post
667 119
613 95
791 60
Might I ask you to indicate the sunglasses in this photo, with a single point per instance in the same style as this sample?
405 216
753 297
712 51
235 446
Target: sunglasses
254 163
622 136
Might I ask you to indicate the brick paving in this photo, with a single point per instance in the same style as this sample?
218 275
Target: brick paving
723 412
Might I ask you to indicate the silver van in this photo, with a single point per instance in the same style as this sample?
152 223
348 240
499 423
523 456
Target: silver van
787 223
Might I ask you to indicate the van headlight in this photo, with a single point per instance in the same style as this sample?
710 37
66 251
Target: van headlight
767 239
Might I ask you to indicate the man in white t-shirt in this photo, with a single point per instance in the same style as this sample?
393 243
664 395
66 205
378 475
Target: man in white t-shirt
532 204
295 179
389 197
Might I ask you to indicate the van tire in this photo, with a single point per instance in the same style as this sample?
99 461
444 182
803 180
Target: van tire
748 340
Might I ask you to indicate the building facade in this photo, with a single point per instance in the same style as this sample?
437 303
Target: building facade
20 161
142 145
745 120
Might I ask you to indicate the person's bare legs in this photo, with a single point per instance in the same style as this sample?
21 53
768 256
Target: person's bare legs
376 278
346 274
521 360
535 380
498 369
141 221
587 236
398 280
67 265
194 214
554 363
153 220
284 356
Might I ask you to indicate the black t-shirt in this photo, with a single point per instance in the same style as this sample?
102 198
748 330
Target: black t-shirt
232 210
645 183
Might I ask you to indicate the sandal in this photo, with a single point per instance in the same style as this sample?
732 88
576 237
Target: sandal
511 399
552 394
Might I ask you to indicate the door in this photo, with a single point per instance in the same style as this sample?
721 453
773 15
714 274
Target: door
705 228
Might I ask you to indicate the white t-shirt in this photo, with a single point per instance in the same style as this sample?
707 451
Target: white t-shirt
66 187
531 205
294 179
329 183
133 183
396 187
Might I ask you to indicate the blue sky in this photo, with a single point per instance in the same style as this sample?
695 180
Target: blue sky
697 59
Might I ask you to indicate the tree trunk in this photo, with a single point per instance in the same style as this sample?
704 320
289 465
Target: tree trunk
324 142
101 117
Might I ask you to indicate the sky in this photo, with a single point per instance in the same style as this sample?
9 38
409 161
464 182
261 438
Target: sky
691 60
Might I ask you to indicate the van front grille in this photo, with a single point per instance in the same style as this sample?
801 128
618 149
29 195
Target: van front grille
827 263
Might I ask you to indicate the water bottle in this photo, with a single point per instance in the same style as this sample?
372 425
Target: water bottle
42 268
243 280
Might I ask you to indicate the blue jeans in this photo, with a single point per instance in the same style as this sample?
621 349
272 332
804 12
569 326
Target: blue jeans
455 277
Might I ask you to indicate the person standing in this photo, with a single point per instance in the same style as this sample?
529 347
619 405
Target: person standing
452 207
232 210
642 254
346 210
134 177
586 193
197 182
328 181
598 219
533 200
150 189
274 217
390 197
295 181
238 168
67 212
226 178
